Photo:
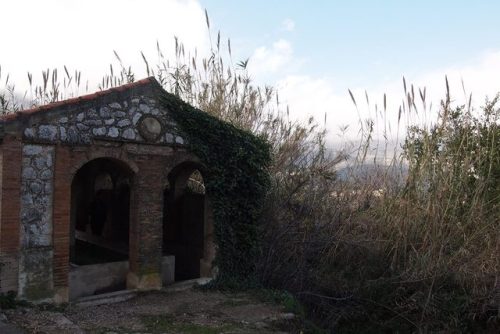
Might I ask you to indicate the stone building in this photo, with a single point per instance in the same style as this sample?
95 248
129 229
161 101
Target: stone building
100 193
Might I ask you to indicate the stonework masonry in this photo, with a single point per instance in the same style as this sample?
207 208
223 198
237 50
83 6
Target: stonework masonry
41 152
116 121
35 272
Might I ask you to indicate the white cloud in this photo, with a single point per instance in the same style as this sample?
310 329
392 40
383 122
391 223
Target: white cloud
307 95
480 77
83 34
288 24
265 60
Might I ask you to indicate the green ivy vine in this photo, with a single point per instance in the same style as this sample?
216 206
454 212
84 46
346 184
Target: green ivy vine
236 179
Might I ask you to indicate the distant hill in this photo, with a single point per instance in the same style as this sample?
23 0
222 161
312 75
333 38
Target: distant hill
371 172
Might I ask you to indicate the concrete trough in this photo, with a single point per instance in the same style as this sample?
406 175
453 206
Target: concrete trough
102 278
97 278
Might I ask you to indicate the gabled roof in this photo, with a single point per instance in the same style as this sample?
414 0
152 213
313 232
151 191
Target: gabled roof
128 113
151 81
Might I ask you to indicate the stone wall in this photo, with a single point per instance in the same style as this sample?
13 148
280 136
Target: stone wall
36 196
35 265
125 121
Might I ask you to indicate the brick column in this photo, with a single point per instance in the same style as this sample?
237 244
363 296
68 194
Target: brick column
10 210
61 222
145 249
206 269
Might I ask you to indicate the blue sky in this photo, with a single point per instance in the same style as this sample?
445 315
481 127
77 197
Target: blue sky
311 51
320 49
363 42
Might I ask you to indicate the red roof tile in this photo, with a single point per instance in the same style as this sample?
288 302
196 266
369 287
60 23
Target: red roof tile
76 100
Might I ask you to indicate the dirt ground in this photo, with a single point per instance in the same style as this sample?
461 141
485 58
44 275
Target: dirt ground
190 311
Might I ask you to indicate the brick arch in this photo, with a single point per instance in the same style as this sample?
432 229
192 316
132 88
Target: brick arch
177 177
67 163
179 174
182 164
111 231
178 161
113 155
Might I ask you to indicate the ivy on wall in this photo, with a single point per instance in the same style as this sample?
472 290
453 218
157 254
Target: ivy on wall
236 179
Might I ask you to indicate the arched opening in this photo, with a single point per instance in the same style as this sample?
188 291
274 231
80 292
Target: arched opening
99 233
184 221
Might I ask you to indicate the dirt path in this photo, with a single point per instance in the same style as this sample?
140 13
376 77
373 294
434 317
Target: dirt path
190 312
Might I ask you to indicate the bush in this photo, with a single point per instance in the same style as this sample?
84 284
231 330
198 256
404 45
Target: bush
410 246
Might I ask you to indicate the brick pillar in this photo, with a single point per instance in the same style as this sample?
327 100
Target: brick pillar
206 269
10 210
61 223
145 249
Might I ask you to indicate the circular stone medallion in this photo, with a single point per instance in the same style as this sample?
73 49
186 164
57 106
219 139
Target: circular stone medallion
150 128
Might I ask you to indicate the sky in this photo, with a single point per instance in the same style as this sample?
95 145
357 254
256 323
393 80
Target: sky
312 51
